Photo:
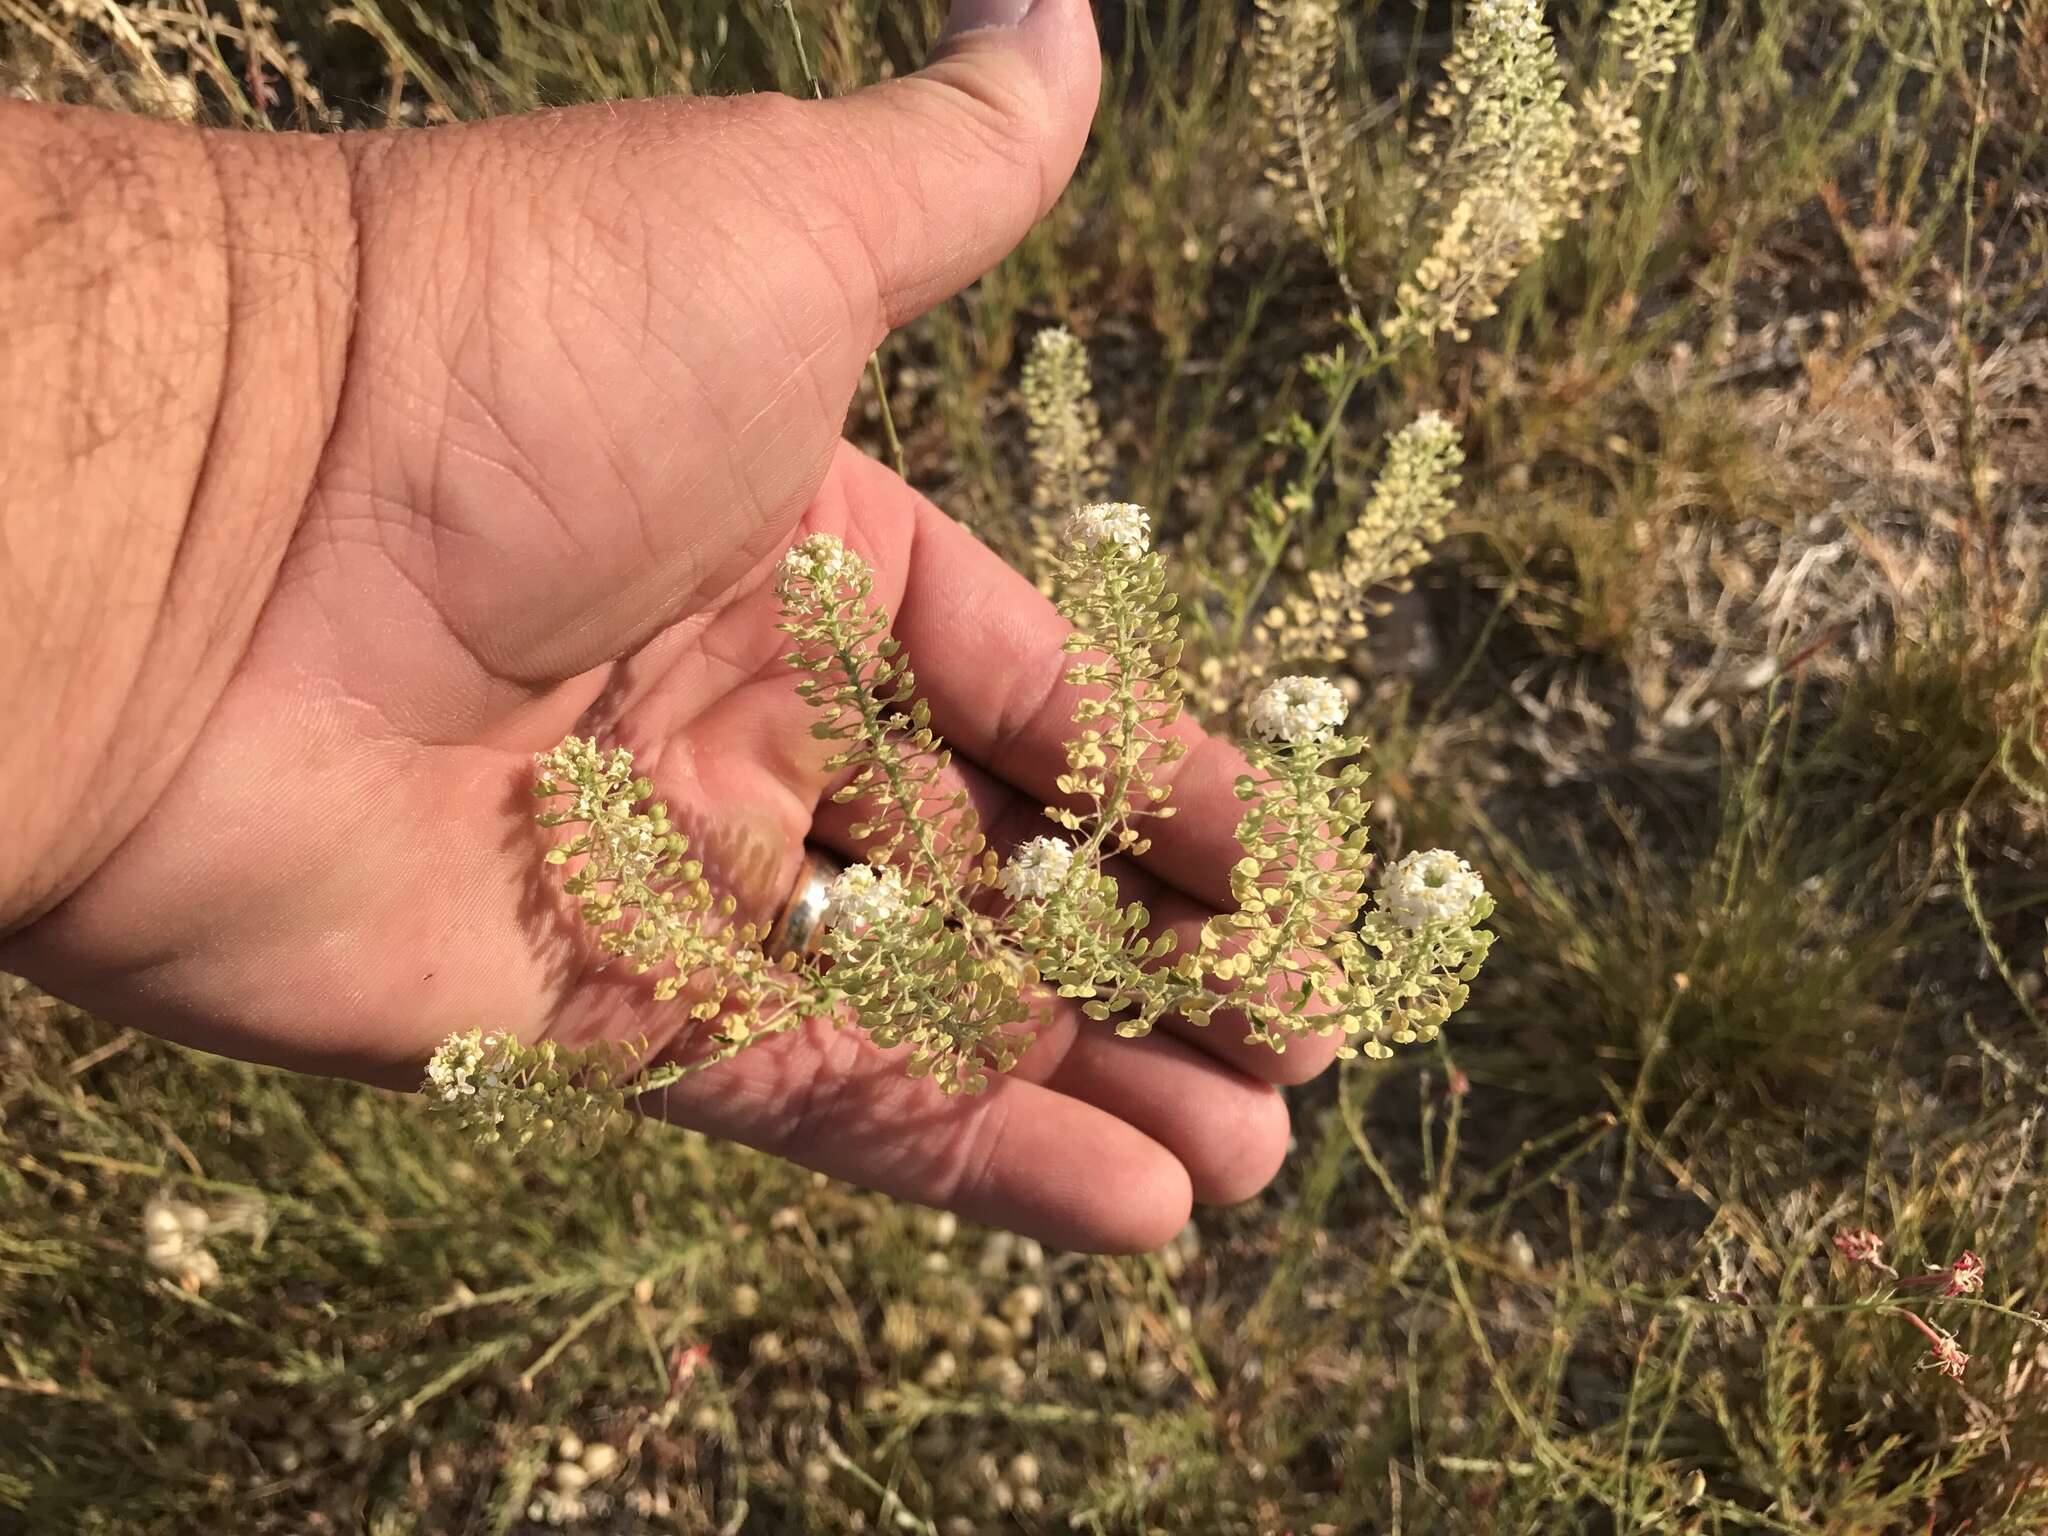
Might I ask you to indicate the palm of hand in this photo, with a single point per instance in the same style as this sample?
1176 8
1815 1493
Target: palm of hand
493 558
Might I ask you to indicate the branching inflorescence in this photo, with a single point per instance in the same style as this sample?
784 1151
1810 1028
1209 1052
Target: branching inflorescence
1062 422
1401 520
1512 160
1506 158
1301 129
1064 428
935 944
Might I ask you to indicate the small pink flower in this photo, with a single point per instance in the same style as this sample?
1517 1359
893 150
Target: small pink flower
1860 1245
1944 1355
1965 1276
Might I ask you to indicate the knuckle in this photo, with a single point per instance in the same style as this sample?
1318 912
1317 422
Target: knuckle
990 120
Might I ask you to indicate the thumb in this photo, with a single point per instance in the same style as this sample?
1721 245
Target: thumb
606 352
941 173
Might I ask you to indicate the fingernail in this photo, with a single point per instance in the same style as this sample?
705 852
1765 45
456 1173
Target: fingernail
980 15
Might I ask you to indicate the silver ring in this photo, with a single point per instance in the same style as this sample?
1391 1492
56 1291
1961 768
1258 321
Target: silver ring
800 925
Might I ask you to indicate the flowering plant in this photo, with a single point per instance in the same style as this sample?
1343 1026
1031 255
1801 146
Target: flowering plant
936 944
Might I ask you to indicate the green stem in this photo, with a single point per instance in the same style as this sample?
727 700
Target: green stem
896 460
1355 373
1304 826
1113 810
907 797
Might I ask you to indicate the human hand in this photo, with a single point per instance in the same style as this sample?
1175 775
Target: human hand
590 387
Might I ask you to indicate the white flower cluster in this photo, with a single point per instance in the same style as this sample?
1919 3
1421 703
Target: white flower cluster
454 1064
862 897
175 1234
500 1090
1425 440
822 560
1123 523
1037 869
1295 710
1432 887
572 1497
174 1241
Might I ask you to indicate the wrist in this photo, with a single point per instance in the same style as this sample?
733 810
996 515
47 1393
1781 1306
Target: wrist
177 305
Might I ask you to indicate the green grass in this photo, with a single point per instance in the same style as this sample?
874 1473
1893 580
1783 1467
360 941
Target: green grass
1572 1272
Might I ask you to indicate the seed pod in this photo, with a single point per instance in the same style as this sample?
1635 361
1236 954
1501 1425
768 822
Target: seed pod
1024 1303
160 1222
902 1327
283 1457
569 1477
995 1254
